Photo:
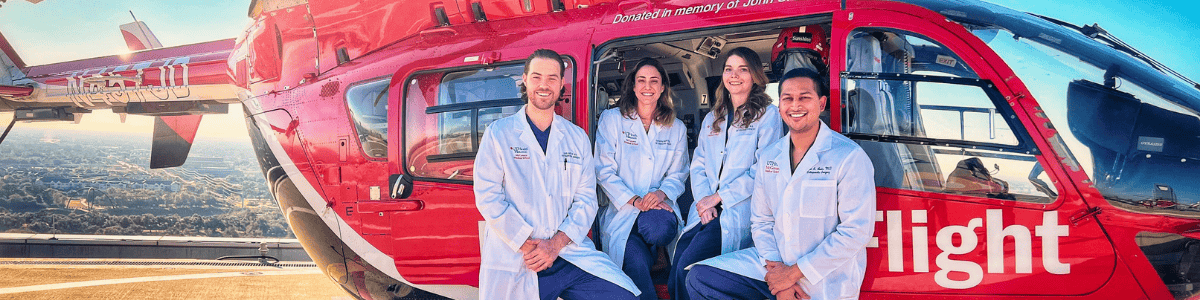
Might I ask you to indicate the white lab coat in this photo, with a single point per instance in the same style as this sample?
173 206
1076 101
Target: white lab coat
819 218
524 193
735 182
632 162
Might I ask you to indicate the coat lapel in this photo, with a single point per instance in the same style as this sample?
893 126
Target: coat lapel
536 156
634 126
813 156
718 152
554 144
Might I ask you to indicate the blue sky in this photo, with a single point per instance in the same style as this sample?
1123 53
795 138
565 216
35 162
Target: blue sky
1168 31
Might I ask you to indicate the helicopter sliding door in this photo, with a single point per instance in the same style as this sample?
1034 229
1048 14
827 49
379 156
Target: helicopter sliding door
968 201
446 111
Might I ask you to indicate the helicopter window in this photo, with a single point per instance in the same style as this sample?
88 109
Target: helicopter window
929 124
447 113
1137 146
368 103
469 100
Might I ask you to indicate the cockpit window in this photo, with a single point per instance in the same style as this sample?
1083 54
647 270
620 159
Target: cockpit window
1139 148
930 124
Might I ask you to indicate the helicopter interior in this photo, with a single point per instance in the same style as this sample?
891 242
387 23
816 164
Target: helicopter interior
918 138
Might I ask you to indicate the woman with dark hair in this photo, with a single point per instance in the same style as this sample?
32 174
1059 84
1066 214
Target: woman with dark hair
641 152
742 122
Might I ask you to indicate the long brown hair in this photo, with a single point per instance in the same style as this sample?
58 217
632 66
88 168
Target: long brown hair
664 112
756 104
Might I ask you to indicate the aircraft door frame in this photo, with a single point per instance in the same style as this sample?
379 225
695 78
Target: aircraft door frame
447 218
1086 249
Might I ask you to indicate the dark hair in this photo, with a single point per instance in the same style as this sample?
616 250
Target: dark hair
628 103
545 54
756 104
818 81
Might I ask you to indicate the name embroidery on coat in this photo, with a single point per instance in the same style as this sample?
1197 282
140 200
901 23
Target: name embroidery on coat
820 170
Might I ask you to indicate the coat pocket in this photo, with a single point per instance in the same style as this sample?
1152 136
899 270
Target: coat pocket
818 198
571 172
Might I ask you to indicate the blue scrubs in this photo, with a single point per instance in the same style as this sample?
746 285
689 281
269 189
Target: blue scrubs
705 282
700 243
542 136
654 228
567 281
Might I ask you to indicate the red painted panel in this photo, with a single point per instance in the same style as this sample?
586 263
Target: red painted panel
15 91
299 46
185 126
338 26
264 50
1087 249
449 222
132 42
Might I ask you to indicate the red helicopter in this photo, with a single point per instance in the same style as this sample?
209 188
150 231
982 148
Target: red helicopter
1016 155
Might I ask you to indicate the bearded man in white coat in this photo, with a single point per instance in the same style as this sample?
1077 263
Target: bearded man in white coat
812 211
535 185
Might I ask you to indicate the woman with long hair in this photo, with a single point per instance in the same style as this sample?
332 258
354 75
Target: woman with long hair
742 122
641 165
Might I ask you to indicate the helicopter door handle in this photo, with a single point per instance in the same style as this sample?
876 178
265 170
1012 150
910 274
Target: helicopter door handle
383 207
400 186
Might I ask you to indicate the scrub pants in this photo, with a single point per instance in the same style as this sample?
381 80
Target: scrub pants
567 281
653 228
705 282
700 243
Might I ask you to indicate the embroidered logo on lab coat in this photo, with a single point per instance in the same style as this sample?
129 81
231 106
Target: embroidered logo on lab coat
630 138
820 170
771 167
520 152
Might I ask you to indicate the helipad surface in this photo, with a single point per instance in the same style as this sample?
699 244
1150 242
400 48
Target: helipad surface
163 279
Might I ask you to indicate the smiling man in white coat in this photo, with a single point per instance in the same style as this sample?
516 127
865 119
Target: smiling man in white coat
535 185
812 211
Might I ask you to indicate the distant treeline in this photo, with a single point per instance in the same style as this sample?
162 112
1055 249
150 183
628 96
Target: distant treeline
238 223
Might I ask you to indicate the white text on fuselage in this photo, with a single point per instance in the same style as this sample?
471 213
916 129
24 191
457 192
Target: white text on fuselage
996 232
84 90
689 10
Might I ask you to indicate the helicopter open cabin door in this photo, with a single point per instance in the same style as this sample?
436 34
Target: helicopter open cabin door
969 201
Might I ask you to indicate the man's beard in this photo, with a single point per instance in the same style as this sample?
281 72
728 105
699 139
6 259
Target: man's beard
540 104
